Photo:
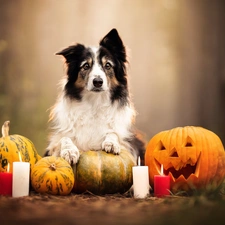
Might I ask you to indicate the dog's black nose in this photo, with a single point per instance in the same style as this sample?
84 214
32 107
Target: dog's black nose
98 82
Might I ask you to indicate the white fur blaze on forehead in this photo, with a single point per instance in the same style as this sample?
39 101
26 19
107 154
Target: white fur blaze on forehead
96 72
95 51
104 59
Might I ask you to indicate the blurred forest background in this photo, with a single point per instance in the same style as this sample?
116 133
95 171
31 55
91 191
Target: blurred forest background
177 59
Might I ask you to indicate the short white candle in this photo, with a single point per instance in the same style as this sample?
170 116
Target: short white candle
21 179
140 180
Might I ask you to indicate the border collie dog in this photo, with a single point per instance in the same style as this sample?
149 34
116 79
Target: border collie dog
94 110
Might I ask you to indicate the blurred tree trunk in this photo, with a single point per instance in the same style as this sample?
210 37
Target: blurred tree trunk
21 95
202 71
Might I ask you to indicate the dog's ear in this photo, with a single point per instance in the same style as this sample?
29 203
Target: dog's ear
71 52
114 44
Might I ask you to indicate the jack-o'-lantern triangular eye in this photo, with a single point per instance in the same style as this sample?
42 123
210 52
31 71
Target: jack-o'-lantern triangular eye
160 146
189 142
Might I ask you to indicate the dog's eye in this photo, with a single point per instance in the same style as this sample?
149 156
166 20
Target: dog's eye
108 66
86 66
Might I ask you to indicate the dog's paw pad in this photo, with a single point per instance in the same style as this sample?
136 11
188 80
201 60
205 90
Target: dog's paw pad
111 147
107 146
69 156
69 151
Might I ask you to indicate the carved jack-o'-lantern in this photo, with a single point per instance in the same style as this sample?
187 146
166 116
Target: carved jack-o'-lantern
193 157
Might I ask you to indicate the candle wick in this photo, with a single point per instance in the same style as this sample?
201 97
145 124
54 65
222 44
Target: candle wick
139 161
161 170
8 167
20 157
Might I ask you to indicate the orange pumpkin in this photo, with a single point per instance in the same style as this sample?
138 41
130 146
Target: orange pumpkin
193 157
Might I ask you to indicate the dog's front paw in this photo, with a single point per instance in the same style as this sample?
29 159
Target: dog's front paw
69 151
110 146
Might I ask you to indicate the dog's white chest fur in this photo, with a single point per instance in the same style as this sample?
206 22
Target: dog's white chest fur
88 122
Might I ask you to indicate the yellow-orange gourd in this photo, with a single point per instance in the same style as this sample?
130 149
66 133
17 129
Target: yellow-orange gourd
12 145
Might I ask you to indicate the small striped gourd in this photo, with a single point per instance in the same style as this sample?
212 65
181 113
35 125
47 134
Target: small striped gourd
104 173
52 175
12 145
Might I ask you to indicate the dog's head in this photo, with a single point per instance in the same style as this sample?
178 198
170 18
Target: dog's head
97 69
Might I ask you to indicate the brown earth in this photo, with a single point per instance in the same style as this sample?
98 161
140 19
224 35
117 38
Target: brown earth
111 209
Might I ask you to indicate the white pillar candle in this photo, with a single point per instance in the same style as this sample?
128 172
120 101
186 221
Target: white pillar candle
140 180
21 179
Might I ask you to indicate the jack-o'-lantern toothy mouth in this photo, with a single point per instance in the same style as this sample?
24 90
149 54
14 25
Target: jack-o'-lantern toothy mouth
186 170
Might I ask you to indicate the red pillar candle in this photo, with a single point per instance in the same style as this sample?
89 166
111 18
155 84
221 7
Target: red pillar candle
161 184
6 183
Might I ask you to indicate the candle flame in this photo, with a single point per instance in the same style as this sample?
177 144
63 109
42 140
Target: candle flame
139 161
20 157
8 167
161 172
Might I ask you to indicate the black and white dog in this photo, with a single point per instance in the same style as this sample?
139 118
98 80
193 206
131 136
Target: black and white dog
94 110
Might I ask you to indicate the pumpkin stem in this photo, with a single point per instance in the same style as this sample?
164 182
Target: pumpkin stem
5 129
52 167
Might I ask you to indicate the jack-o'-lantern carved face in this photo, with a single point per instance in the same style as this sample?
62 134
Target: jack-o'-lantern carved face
193 157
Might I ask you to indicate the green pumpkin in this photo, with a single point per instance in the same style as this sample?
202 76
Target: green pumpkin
104 173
